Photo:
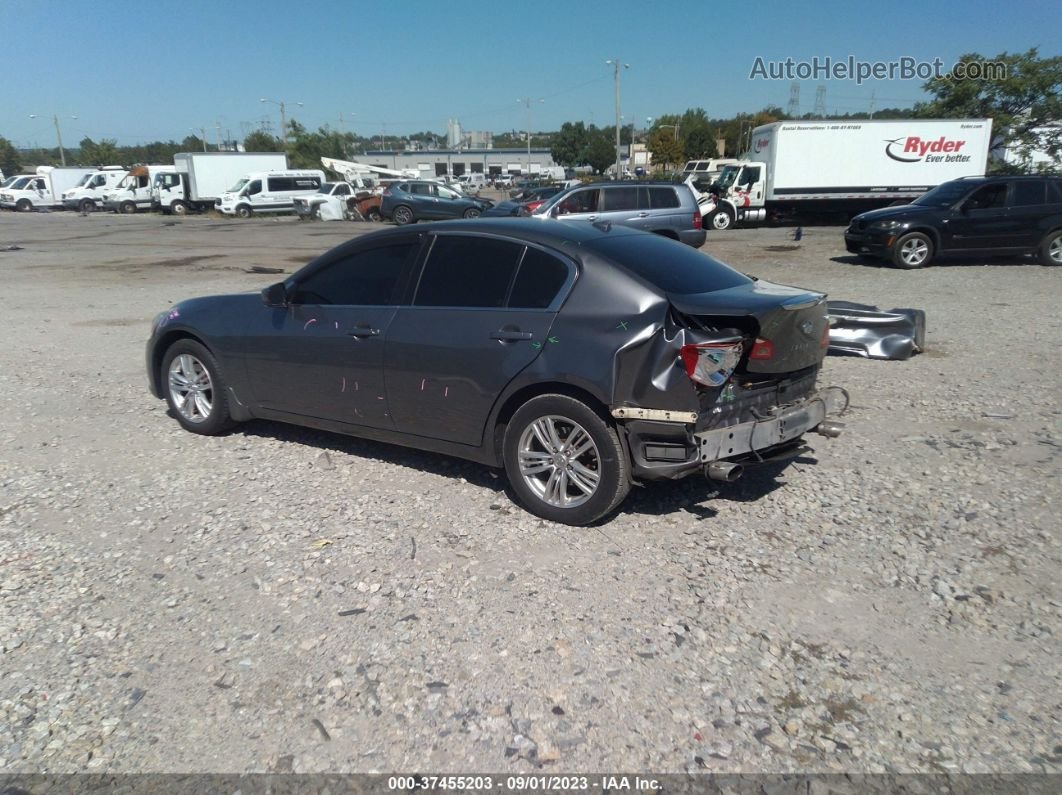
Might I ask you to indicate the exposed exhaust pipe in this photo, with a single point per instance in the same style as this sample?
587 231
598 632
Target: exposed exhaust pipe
725 471
830 428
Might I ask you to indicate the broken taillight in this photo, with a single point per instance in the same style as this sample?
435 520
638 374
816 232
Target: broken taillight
697 219
825 341
711 363
762 350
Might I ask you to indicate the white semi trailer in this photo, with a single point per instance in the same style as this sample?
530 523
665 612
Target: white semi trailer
844 167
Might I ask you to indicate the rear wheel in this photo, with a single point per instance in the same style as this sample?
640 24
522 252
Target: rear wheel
86 205
1051 248
913 250
373 214
472 212
127 207
402 215
243 211
194 388
564 461
24 205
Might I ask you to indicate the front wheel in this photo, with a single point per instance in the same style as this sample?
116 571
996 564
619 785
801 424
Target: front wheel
564 461
472 212
194 388
128 208
1051 248
402 215
243 211
913 250
373 214
87 206
179 208
721 220
24 205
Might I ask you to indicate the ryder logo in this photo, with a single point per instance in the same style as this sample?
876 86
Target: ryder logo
761 144
913 149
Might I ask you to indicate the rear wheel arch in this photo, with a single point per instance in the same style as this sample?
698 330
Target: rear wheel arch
521 396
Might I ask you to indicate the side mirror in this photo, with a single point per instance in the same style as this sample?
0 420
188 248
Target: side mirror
275 295
554 212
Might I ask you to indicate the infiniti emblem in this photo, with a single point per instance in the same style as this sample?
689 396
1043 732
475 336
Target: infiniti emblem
807 327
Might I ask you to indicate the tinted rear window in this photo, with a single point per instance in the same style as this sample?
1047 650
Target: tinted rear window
672 267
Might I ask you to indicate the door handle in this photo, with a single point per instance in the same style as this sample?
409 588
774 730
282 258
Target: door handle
363 331
510 335
591 218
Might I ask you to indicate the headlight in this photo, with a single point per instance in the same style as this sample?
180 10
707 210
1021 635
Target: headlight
887 225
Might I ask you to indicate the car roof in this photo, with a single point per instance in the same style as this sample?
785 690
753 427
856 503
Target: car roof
530 230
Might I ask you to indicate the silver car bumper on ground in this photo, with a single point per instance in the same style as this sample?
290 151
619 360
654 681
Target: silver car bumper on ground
784 425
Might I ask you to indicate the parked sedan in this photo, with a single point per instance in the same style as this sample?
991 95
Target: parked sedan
528 201
582 359
423 200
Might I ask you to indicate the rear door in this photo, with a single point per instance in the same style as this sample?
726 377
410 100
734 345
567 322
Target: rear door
1027 205
481 313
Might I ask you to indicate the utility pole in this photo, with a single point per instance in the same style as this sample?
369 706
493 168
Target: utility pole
526 102
616 64
283 117
58 134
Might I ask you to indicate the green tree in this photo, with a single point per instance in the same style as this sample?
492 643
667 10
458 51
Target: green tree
666 148
104 153
1024 101
568 146
10 162
261 141
600 150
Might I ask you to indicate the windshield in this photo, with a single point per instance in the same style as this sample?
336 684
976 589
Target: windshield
7 182
326 187
128 181
83 181
21 183
728 175
238 186
945 195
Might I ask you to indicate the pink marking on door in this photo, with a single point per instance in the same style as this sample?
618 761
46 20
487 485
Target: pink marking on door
344 389
446 391
422 384
309 323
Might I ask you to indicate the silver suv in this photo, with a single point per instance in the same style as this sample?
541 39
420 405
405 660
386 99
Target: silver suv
663 208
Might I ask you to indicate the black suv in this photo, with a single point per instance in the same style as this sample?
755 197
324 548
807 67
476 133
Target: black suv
983 215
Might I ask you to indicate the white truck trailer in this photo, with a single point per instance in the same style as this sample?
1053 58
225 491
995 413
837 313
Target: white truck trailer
42 190
133 191
845 167
200 178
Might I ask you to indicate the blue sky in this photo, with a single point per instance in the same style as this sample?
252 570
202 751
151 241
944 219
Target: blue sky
155 69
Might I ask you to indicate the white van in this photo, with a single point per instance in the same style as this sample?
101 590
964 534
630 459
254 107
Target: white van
472 182
88 194
268 192
133 191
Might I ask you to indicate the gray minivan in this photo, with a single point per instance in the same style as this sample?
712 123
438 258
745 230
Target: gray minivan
663 208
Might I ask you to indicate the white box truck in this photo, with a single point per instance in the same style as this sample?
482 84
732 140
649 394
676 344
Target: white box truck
200 178
133 191
87 195
845 167
44 189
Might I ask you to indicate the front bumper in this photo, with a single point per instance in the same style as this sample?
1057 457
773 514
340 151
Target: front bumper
669 450
867 242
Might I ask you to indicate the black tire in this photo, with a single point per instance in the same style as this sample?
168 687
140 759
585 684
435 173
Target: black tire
243 211
178 207
472 212
373 214
606 459
127 208
195 391
24 205
402 215
913 250
721 220
1051 248
87 206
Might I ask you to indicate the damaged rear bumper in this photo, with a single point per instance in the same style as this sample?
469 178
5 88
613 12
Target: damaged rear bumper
669 450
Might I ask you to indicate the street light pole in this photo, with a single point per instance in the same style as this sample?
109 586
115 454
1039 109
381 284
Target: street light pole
58 134
527 104
616 63
283 117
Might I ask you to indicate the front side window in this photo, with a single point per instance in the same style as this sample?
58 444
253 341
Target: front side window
467 272
581 201
446 193
366 278
254 187
989 197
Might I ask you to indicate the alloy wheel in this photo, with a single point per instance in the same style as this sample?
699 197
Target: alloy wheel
192 388
559 461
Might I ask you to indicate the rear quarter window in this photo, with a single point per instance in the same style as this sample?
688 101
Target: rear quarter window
671 266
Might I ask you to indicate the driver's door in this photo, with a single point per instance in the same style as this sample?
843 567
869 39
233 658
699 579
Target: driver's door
981 222
321 355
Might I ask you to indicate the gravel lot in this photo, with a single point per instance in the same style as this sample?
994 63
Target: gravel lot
287 600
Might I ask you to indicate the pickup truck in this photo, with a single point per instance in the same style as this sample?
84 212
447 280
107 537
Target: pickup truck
337 201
